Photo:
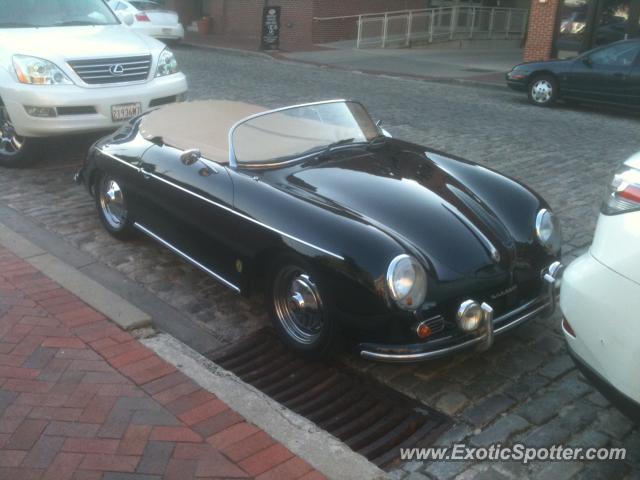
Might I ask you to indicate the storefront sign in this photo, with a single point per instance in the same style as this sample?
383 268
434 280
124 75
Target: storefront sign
271 28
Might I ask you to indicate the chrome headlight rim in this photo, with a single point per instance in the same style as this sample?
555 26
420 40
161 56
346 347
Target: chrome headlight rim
552 242
167 64
417 293
23 65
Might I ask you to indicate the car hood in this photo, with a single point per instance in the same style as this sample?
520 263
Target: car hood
413 199
66 43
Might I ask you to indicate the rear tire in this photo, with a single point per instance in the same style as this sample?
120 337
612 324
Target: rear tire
111 201
543 90
301 308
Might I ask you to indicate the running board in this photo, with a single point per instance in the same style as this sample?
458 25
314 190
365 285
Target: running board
186 257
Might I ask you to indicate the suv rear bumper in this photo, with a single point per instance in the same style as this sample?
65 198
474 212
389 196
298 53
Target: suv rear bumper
16 96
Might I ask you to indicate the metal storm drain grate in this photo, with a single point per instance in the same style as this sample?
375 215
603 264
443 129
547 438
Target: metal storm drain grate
370 418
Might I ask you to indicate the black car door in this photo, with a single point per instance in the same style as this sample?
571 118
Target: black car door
193 210
603 75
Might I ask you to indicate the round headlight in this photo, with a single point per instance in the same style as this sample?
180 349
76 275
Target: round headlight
469 315
407 282
548 231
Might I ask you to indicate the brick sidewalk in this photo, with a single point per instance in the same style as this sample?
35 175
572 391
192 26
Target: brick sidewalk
81 399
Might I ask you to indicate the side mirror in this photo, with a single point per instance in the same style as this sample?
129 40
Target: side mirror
190 157
127 19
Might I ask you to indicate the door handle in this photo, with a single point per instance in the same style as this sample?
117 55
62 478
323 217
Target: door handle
145 174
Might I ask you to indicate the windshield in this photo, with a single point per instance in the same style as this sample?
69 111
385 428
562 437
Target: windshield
54 13
298 131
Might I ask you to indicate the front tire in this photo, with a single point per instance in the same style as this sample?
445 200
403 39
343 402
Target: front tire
301 308
17 151
113 210
543 90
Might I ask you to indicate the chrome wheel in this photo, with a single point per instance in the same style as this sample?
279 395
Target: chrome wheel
542 91
10 142
298 305
112 203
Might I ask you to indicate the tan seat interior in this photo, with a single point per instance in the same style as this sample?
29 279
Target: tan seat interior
203 125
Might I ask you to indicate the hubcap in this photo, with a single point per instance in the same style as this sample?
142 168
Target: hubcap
113 204
10 142
298 305
541 91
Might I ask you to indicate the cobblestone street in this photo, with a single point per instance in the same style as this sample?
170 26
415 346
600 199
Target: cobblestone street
525 389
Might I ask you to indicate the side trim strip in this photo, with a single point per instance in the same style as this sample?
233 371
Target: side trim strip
231 210
113 157
191 260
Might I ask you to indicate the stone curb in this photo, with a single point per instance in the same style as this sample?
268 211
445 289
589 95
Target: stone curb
400 76
227 49
114 307
323 451
379 73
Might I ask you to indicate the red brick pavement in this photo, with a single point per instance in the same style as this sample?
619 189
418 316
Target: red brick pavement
81 399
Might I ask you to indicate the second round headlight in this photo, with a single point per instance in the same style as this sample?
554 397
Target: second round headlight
407 282
548 231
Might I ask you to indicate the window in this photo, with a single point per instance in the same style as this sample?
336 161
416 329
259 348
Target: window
573 20
619 55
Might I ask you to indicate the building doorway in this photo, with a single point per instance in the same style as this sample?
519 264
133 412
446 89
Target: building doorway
585 24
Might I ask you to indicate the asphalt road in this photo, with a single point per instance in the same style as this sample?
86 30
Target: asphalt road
524 389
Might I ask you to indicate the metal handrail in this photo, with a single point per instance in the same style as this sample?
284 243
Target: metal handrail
438 24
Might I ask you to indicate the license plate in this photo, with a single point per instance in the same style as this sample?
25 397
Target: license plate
125 111
166 31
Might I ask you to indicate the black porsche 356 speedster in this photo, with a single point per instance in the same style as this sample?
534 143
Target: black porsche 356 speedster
409 252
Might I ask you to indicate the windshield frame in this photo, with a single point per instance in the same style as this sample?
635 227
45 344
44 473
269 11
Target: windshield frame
114 21
233 161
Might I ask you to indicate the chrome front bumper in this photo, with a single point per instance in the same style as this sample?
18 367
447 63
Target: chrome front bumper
489 328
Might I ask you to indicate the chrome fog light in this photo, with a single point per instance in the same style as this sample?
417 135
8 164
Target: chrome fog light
469 315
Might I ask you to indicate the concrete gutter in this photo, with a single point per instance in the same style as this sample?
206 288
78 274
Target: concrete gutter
114 307
323 451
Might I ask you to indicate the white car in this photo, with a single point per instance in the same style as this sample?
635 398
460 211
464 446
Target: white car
72 67
600 296
149 18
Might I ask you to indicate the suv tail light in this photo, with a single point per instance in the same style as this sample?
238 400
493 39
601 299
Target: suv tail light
142 17
624 192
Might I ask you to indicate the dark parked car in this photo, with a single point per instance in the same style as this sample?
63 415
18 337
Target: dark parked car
609 74
409 252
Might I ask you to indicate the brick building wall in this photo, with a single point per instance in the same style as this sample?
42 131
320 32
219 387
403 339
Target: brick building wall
296 23
188 10
540 34
243 18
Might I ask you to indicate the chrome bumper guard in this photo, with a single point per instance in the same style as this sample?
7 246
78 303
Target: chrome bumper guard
487 331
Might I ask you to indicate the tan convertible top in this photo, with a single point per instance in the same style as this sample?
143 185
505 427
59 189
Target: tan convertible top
203 125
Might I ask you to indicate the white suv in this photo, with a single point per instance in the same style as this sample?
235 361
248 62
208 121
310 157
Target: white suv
69 66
